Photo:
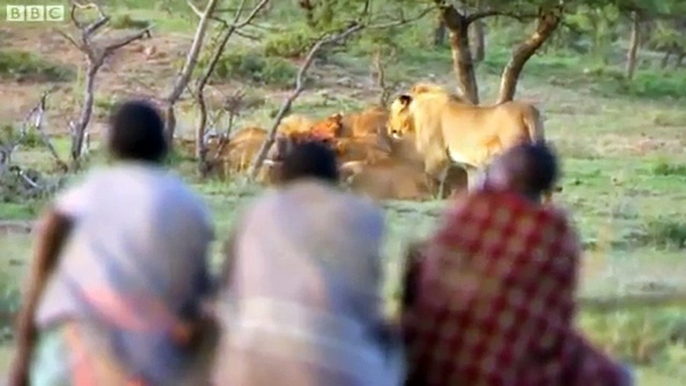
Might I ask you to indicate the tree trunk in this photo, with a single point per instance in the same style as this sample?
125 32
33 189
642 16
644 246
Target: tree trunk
680 60
479 41
184 75
665 59
200 130
463 64
631 57
439 33
548 21
86 111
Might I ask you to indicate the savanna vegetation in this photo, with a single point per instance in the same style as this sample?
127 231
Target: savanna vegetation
609 77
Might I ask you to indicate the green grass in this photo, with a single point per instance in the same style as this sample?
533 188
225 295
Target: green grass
28 66
623 173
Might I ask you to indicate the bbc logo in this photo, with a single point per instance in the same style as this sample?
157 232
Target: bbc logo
35 12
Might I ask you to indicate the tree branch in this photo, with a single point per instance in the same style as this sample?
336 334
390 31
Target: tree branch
127 40
299 87
402 20
522 17
184 74
96 57
200 137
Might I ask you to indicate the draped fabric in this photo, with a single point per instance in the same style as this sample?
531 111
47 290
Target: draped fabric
493 300
134 269
303 304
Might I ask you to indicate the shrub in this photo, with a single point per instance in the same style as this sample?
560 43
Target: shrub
125 21
253 66
664 233
640 337
666 169
23 65
293 44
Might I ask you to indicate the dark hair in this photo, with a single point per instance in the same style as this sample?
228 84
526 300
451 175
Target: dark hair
137 132
541 166
309 159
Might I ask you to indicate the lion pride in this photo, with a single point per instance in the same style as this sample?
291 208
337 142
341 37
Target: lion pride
448 130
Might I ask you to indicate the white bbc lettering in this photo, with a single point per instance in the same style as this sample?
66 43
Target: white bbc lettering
15 13
54 13
35 13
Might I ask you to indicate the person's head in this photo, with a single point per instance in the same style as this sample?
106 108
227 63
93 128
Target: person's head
529 169
136 133
309 159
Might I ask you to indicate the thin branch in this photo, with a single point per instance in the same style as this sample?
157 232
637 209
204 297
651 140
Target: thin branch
247 36
201 148
299 87
96 57
522 17
69 39
184 75
402 20
128 40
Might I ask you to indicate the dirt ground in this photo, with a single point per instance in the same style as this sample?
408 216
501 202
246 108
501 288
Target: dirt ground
141 69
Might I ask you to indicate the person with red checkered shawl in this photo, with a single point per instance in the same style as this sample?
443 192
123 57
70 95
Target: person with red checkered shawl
490 298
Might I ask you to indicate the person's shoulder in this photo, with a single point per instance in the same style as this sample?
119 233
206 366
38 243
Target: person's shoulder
75 198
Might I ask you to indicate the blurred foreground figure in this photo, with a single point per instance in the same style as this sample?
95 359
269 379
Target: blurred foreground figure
119 273
302 302
490 299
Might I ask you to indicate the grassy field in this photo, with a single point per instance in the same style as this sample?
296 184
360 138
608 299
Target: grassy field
621 144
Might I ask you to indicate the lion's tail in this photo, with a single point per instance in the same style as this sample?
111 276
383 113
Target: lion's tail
534 124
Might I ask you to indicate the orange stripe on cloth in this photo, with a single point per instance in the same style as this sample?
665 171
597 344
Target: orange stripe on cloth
133 314
81 368
91 368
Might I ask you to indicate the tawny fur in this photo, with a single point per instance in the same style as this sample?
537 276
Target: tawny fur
370 121
448 130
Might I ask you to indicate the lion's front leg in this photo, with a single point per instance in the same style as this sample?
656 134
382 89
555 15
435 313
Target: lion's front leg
437 168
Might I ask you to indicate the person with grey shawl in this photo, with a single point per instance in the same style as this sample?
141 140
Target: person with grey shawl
301 303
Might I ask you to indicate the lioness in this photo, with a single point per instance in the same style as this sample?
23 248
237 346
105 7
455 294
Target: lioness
448 130
370 121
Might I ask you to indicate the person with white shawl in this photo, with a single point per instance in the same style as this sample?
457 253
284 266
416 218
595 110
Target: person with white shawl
301 303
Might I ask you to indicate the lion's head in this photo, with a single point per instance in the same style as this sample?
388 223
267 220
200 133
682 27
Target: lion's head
332 126
400 121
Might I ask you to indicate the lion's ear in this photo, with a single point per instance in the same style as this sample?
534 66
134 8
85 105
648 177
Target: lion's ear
405 100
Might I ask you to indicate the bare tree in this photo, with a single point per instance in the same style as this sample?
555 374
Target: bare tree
233 27
331 38
95 55
379 72
183 77
299 87
632 54
13 140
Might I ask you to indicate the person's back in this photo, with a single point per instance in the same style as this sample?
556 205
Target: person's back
132 266
303 292
490 299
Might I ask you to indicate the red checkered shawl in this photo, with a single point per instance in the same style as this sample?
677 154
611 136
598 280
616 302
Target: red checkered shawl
495 301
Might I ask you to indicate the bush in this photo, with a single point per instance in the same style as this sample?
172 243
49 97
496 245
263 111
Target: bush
23 66
293 44
665 169
646 84
125 21
253 66
664 233
640 337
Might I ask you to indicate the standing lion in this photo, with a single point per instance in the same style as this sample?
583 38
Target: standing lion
448 130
